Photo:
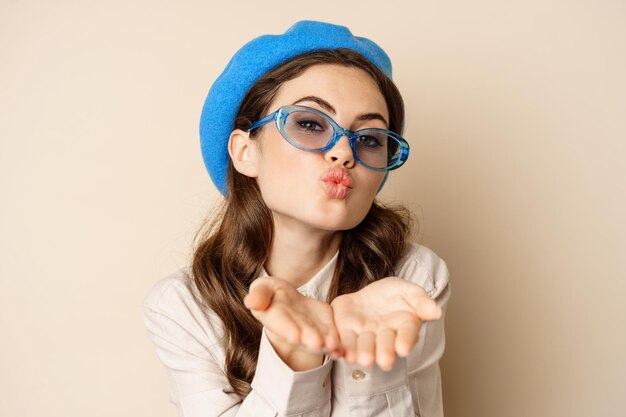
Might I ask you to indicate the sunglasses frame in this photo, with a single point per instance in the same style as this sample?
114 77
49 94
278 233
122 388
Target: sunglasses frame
280 115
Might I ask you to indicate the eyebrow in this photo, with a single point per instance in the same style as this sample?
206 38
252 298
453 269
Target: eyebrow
326 105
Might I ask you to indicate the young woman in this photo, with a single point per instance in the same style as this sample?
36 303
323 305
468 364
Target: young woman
304 295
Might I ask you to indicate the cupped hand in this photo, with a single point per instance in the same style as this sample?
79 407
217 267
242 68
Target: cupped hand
305 323
382 320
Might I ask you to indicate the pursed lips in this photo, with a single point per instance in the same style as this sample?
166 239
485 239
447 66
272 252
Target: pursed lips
337 175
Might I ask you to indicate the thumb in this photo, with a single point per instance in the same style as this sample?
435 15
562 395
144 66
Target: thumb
260 295
428 309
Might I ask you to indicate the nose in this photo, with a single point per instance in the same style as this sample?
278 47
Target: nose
341 153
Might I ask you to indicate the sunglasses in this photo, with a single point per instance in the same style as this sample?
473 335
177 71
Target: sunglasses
312 130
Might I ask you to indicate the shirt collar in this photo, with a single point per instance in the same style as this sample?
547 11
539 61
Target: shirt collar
318 286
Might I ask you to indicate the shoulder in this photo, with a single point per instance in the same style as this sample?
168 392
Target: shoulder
169 289
173 298
424 267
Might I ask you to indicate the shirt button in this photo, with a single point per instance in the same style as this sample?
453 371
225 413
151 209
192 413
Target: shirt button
358 374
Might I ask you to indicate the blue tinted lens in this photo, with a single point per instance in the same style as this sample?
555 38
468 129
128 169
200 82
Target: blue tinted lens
376 148
308 130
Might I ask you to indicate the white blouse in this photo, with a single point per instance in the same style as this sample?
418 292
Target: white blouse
191 346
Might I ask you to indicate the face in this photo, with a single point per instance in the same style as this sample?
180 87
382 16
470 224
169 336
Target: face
295 184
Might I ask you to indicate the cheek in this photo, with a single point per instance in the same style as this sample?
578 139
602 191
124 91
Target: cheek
283 169
366 198
372 181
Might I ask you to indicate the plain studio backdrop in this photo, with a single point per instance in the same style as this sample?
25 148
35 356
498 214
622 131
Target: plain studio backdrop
516 115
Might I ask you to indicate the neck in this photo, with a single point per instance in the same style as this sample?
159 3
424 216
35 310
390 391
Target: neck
299 252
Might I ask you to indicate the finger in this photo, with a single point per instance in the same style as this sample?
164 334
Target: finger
259 296
328 342
331 341
332 338
385 348
365 345
429 310
281 323
426 308
406 337
311 336
348 341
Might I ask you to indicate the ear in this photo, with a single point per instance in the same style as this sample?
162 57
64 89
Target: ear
243 151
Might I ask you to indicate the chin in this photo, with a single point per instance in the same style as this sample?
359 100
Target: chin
344 218
335 223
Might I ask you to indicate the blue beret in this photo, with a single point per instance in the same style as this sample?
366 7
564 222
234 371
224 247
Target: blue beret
249 63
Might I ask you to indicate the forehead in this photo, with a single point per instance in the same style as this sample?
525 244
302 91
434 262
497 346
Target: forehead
348 89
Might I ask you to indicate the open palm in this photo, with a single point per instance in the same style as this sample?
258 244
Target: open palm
303 322
381 320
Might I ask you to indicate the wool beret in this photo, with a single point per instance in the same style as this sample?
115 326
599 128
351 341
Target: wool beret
249 63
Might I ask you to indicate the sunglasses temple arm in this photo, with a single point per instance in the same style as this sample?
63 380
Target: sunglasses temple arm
264 120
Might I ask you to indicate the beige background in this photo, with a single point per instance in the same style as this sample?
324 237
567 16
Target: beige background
516 116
